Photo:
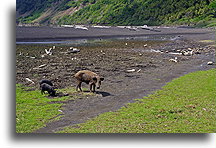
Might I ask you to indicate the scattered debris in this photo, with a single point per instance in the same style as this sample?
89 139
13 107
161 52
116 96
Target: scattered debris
41 66
173 60
48 52
132 28
30 57
187 53
175 53
210 63
148 28
101 26
131 70
139 70
30 80
157 51
204 109
80 27
67 25
73 50
73 58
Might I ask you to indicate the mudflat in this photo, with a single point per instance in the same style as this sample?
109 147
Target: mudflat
132 67
62 33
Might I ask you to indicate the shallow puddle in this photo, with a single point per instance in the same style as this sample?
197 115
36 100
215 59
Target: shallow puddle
99 41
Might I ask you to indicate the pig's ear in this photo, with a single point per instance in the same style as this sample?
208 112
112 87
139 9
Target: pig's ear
101 79
94 78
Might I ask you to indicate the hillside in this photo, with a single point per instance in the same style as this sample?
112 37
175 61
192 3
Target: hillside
117 12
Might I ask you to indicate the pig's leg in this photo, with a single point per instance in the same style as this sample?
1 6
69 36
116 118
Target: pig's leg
93 87
90 87
79 86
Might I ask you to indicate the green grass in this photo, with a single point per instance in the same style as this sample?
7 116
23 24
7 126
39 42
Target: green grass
185 105
34 110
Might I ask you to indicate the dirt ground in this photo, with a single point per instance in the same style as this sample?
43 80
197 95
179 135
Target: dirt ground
132 68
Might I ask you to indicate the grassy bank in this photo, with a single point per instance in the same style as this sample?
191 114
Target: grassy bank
185 105
34 110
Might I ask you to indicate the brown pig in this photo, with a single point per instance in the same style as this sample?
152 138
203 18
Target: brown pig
88 77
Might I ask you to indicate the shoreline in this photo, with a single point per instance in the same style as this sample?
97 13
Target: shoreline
36 34
49 39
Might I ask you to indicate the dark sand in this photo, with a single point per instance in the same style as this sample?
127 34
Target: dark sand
111 59
54 33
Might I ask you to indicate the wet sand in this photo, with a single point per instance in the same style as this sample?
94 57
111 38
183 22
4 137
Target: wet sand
62 33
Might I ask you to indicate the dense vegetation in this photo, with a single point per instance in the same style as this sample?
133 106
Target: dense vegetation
185 105
121 12
139 12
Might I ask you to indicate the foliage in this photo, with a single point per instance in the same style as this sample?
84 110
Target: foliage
137 12
185 105
23 6
125 12
32 9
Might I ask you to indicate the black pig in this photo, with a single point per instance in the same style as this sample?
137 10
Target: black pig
46 87
45 81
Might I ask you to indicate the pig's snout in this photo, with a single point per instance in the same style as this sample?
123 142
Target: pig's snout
98 85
